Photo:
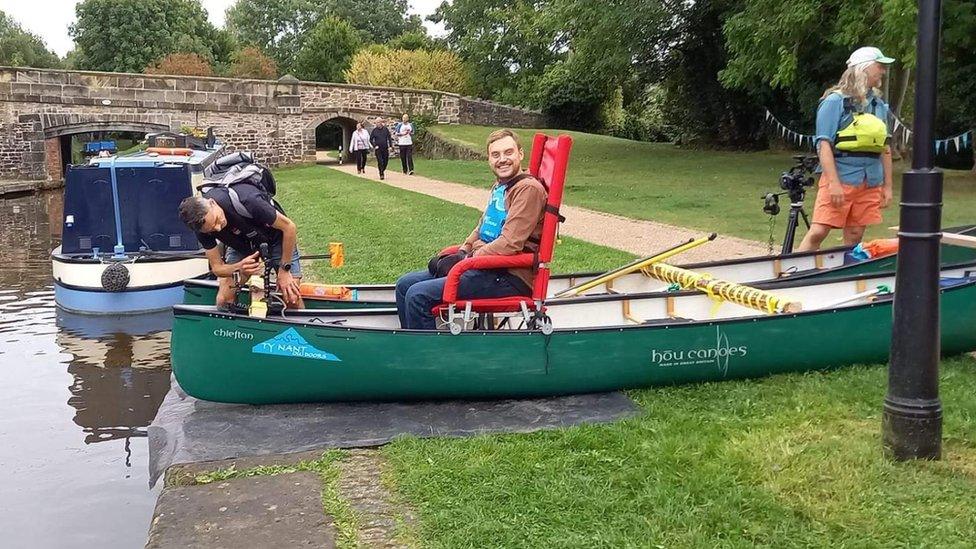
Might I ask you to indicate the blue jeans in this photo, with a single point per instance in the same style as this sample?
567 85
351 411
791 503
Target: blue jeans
419 291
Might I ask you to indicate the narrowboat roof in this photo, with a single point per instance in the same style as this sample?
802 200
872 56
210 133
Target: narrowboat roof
197 160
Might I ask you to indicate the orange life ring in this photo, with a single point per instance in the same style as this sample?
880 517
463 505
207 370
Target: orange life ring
173 151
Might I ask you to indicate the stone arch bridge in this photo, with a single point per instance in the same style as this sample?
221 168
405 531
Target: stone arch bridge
274 119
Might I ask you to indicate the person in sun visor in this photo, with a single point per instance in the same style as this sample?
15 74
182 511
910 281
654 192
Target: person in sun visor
511 224
855 157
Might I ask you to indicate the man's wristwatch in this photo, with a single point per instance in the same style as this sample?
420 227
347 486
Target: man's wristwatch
286 267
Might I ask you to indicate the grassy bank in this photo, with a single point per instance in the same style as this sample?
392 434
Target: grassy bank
387 231
786 461
709 190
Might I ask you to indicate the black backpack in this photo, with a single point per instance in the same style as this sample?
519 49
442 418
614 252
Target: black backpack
240 169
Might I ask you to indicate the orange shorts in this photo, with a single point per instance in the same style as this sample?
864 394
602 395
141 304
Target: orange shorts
862 206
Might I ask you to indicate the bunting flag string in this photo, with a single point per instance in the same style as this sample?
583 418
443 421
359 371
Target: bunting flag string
792 137
957 143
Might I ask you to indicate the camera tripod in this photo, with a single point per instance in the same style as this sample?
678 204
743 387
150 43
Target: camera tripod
794 183
797 212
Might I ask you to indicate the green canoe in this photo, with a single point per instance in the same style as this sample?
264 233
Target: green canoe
599 343
822 264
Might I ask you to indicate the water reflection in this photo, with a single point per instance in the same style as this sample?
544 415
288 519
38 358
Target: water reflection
76 395
120 370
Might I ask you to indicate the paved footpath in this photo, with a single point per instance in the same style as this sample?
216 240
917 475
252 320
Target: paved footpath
642 238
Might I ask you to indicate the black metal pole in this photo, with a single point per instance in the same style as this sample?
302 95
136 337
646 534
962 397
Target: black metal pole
912 419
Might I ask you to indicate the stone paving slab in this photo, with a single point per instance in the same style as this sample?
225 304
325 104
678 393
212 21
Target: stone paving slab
281 511
378 512
639 237
184 473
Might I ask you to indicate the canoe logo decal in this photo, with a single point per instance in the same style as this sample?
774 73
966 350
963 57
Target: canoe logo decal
717 355
290 343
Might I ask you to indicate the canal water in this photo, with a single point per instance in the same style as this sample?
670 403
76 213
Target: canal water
76 396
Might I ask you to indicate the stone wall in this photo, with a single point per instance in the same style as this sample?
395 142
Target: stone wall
274 119
489 113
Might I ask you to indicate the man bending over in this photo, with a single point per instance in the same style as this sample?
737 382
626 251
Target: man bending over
215 216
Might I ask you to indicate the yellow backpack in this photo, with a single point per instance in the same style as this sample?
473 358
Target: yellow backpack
865 134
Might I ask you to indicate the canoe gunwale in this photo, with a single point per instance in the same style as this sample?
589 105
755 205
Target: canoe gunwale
211 312
777 284
691 266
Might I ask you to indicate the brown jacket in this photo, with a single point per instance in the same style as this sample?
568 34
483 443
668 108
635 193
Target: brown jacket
525 203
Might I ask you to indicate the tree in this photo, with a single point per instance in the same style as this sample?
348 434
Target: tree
327 52
19 48
181 64
508 44
419 69
251 63
129 35
281 27
376 20
414 40
277 27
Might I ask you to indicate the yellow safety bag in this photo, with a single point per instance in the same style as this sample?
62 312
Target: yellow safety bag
865 134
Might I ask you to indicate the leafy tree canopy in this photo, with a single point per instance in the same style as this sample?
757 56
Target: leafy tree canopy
129 35
281 27
414 40
19 48
509 44
327 51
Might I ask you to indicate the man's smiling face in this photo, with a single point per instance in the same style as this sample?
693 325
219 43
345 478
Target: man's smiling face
505 158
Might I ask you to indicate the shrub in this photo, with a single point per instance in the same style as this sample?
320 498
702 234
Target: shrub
250 62
420 69
181 64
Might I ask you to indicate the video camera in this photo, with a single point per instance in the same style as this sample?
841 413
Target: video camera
793 182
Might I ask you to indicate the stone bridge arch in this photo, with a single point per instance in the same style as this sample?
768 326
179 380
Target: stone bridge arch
346 119
58 125
56 129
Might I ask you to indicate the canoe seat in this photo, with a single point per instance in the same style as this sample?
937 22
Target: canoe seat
548 161
667 320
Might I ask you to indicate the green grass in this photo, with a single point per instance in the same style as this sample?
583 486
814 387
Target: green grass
708 190
786 461
387 232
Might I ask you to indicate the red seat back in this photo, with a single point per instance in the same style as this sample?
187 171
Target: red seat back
548 162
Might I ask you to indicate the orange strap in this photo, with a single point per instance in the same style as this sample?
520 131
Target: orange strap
173 151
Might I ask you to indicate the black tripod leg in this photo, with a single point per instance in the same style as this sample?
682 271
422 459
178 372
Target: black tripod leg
805 220
791 224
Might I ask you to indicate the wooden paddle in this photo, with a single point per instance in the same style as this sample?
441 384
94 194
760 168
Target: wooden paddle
955 239
635 266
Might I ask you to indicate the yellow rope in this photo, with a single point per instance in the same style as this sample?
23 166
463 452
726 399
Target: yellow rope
720 290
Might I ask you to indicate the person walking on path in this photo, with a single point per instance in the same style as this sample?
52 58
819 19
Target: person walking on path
855 158
404 131
381 139
359 147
